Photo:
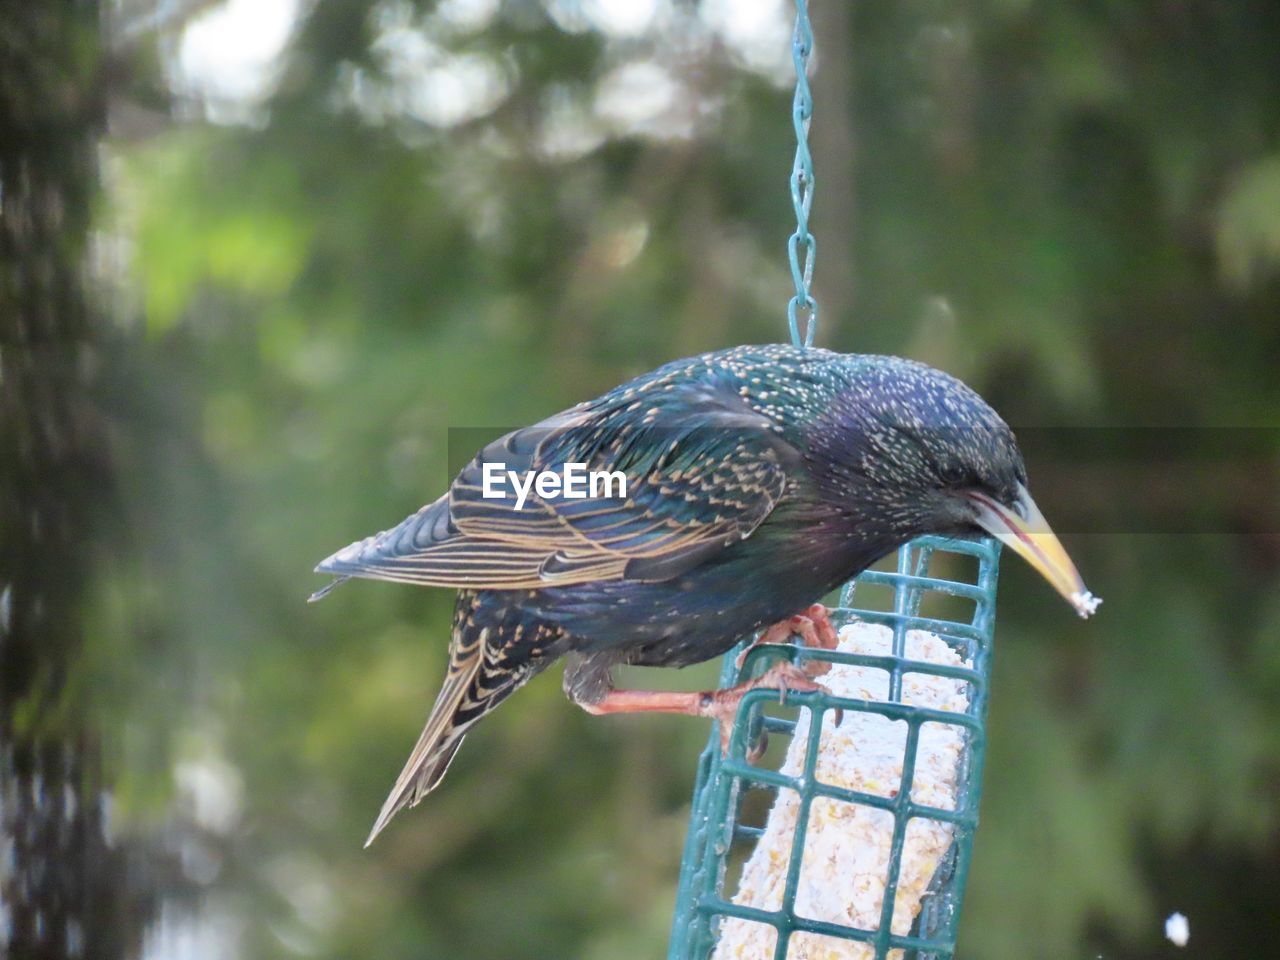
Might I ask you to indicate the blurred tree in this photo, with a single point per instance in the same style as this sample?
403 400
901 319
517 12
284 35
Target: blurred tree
67 887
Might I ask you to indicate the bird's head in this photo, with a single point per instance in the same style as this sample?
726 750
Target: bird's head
938 459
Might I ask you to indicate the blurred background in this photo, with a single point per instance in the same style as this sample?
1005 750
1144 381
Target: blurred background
259 257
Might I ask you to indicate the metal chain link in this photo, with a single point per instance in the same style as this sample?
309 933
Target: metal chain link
801 246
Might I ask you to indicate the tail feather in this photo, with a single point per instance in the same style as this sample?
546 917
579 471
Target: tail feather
441 736
419 777
479 678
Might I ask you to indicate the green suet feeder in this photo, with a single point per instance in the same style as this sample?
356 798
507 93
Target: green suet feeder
862 844
706 903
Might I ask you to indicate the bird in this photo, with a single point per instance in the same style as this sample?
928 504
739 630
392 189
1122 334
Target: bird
757 479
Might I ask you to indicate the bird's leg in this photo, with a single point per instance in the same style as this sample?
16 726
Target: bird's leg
719 705
815 628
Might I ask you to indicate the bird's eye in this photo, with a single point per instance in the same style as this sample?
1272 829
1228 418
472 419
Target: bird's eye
954 475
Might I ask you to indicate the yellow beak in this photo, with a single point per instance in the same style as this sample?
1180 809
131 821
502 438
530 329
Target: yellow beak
1025 531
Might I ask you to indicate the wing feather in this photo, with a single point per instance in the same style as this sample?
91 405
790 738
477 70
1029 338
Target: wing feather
703 471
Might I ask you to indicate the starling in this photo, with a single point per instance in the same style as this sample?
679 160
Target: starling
757 479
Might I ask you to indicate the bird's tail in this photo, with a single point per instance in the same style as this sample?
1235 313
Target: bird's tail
475 684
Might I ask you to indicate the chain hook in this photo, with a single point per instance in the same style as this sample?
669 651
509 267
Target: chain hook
801 246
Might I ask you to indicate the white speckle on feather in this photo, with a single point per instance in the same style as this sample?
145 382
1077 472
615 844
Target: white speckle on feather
844 866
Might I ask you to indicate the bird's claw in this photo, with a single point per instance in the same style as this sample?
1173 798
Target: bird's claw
815 629
757 750
722 705
785 677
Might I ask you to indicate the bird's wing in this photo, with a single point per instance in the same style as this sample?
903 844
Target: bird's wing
703 470
428 549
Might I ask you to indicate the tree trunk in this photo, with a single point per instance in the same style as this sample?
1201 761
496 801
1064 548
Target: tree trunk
66 889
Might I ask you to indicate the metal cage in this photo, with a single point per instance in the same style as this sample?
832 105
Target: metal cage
716 824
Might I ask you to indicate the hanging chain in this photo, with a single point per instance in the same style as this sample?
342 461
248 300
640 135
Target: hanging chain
801 246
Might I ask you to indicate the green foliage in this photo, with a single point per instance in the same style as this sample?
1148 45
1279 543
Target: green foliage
1249 224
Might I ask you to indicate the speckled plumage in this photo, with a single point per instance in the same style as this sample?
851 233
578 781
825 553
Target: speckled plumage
760 477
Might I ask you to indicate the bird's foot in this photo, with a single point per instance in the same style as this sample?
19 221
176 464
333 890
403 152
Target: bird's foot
722 705
815 629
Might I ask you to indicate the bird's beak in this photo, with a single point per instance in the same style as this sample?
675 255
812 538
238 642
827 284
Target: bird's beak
1024 530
